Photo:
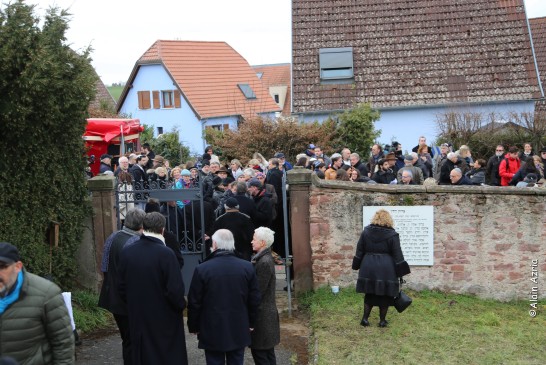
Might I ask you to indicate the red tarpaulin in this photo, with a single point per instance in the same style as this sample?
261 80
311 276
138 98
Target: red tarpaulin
109 129
103 135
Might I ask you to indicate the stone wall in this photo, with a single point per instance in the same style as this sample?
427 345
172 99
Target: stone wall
485 238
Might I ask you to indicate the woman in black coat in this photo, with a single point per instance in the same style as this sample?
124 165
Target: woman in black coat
266 334
377 252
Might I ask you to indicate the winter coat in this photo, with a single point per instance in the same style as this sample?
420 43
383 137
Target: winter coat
508 170
384 177
463 181
266 334
151 285
223 302
264 210
448 166
377 252
476 177
242 228
36 329
361 168
110 298
492 170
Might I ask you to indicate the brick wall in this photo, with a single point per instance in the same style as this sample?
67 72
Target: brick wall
485 238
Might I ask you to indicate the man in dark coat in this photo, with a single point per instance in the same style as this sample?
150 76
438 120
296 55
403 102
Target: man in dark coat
274 177
457 177
240 225
492 169
356 162
452 161
110 298
151 284
105 163
223 302
264 207
140 178
246 204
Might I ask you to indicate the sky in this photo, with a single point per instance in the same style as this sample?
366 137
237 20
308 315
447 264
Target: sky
120 31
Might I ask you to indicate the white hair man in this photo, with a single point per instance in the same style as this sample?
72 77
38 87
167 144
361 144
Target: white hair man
123 165
222 284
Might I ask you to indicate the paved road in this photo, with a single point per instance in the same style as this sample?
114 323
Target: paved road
107 350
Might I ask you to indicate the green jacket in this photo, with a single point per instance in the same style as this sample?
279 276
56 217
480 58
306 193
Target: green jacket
36 330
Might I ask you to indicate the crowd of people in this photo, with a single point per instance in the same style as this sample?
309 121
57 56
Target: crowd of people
230 303
514 167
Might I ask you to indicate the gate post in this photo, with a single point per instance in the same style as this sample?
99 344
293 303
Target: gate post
299 181
103 200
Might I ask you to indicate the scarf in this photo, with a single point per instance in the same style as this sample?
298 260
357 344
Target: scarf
13 296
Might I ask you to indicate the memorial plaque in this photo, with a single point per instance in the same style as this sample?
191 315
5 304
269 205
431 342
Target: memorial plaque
415 225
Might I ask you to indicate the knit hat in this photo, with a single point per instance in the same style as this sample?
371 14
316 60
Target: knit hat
232 203
254 182
185 172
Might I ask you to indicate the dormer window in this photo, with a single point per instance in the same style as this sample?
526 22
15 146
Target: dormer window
247 91
336 64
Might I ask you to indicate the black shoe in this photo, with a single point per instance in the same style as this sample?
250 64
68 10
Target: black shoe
383 323
364 323
77 339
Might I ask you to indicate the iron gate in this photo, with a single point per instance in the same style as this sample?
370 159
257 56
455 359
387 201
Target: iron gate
183 210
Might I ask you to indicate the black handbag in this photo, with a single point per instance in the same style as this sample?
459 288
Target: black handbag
402 301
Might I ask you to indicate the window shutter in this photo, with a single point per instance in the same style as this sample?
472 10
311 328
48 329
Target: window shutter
177 103
146 100
226 127
155 95
140 100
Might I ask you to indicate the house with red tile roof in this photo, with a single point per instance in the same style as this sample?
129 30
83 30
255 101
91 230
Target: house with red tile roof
276 78
193 85
412 60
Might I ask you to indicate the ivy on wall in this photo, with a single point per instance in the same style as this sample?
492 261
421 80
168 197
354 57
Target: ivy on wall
45 90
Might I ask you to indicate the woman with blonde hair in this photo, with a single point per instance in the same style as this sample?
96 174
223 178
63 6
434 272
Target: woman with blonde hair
236 168
263 162
378 254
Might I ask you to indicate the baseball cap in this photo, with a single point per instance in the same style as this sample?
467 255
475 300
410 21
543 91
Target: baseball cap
311 146
408 158
232 203
9 253
279 155
254 182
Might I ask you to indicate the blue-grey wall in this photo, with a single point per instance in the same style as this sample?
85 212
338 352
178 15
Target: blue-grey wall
154 77
406 125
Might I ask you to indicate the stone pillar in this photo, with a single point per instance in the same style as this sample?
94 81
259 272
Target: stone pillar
299 181
103 201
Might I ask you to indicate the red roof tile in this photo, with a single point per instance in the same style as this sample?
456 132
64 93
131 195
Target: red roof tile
411 53
207 74
277 75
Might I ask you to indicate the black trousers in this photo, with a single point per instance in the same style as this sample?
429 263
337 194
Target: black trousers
235 357
264 357
123 325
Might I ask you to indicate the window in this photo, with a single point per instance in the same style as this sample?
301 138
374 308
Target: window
168 98
159 130
247 91
143 100
336 64
276 97
260 74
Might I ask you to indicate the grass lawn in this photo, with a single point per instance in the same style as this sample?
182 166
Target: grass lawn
87 315
437 328
115 91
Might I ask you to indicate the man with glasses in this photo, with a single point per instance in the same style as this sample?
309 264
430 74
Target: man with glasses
492 176
34 322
